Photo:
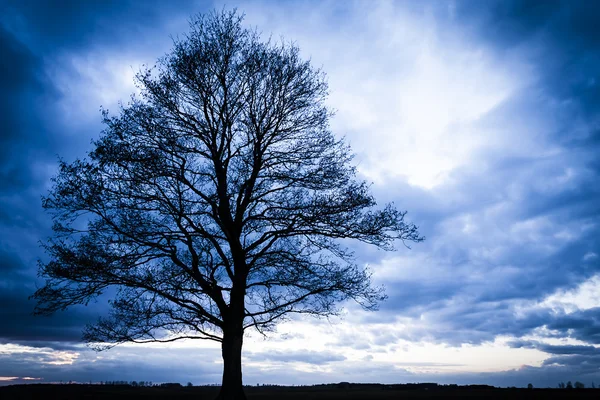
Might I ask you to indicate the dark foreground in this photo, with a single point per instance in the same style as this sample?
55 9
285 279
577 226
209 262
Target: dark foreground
374 392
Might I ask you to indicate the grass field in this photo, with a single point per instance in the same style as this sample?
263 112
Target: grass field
104 392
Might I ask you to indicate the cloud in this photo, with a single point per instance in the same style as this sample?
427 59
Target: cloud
25 90
582 325
480 119
566 349
124 364
44 81
75 26
298 355
416 83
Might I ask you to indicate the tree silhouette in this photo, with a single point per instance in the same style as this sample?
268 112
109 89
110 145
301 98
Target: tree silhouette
217 200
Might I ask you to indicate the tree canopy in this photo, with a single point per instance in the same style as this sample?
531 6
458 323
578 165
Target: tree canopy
215 201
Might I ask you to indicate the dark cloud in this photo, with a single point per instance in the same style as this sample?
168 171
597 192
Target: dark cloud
555 349
25 91
559 22
52 26
583 325
564 38
37 39
16 310
482 322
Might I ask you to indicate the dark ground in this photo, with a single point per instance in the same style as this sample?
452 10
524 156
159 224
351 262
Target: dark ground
375 392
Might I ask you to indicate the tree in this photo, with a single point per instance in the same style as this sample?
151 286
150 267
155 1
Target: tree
529 386
215 201
569 385
579 385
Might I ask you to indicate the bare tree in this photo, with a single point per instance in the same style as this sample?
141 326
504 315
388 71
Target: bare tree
216 201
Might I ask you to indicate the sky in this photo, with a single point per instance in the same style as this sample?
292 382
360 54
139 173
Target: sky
481 119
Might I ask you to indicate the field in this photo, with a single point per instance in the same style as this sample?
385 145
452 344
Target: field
374 392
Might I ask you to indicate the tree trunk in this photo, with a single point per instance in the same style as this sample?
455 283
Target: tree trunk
233 336
232 387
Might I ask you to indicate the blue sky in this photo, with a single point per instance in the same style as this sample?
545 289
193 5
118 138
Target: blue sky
479 118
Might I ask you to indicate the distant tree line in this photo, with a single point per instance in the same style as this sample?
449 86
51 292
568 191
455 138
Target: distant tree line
129 383
145 384
576 385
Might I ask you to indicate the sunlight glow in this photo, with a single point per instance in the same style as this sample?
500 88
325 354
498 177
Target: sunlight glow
359 343
406 90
